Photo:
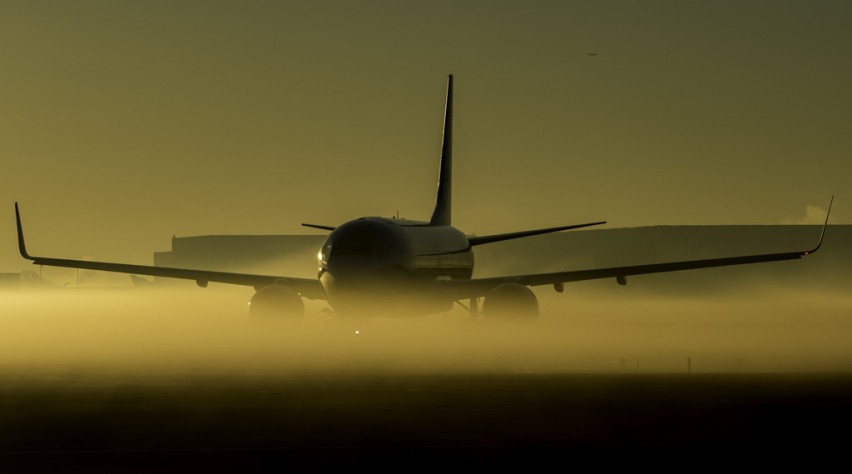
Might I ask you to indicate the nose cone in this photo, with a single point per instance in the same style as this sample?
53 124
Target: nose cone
361 262
364 246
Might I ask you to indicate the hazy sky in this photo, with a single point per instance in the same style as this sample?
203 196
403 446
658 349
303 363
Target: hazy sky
123 123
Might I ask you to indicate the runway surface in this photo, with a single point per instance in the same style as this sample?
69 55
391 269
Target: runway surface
305 422
135 381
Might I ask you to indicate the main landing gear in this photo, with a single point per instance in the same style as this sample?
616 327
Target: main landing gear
509 302
278 304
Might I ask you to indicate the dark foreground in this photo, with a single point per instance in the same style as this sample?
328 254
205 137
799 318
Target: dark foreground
310 422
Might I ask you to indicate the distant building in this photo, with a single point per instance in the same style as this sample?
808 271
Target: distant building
271 254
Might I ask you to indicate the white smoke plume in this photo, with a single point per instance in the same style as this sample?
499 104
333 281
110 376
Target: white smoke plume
813 215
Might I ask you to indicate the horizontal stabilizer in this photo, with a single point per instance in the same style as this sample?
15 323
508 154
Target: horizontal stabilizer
487 239
317 226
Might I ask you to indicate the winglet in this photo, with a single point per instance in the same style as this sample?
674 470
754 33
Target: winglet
824 226
21 245
442 215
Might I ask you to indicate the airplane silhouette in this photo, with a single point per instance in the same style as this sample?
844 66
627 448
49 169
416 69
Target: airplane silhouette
375 265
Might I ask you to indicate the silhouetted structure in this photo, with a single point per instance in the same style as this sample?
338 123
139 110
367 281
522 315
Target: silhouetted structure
243 252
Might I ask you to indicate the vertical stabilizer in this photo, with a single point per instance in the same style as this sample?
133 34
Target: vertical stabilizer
442 215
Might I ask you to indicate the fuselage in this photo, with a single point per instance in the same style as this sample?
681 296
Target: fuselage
375 264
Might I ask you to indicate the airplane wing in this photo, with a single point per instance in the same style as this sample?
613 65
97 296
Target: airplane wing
463 289
308 288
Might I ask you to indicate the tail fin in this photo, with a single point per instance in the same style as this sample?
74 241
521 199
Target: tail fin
442 215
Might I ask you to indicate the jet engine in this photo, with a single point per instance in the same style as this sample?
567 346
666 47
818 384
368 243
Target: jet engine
511 302
276 303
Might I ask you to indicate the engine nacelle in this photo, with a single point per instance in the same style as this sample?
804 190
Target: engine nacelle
511 302
276 303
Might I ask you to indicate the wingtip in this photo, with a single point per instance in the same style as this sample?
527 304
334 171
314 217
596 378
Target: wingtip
828 212
824 226
22 247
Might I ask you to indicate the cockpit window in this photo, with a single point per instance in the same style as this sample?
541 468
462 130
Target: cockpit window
325 252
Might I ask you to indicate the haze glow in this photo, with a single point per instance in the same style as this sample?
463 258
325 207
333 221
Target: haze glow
124 124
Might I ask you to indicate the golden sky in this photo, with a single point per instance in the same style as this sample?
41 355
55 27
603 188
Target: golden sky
123 123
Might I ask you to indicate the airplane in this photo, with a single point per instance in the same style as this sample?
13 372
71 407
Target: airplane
390 266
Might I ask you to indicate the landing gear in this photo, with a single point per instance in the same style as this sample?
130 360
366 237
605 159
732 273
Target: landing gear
511 302
277 303
473 309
